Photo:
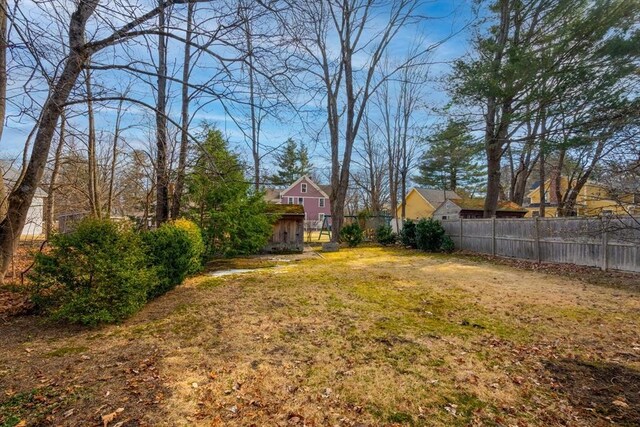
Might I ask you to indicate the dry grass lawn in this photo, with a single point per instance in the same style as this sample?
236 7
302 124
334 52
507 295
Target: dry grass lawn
367 336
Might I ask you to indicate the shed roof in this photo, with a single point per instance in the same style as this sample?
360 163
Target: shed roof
281 209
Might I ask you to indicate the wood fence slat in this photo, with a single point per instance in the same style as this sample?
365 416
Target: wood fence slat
608 243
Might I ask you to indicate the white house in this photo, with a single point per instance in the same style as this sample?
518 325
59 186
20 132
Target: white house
34 225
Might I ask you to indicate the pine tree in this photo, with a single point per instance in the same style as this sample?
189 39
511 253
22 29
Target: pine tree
293 162
221 200
452 160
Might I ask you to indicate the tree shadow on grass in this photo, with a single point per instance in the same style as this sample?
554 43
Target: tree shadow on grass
599 391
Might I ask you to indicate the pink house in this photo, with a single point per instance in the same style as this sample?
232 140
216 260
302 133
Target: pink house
305 192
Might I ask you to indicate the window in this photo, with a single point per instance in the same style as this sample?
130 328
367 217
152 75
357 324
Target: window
444 217
321 202
303 188
290 200
301 200
321 217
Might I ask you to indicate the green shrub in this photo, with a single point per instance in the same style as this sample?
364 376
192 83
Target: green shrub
352 234
429 234
447 244
408 234
170 253
93 275
197 243
385 235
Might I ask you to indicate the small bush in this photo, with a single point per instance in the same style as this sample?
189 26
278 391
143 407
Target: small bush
93 275
408 234
429 235
197 243
352 234
385 235
170 253
447 244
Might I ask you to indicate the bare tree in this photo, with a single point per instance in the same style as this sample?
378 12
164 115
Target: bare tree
346 86
3 93
92 161
185 117
79 52
114 159
162 174
53 180
370 176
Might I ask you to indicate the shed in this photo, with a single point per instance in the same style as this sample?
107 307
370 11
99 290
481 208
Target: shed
474 208
288 228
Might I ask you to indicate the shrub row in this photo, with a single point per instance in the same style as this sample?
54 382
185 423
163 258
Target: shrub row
104 272
427 235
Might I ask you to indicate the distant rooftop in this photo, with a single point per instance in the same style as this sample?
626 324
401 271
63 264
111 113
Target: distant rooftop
477 204
436 196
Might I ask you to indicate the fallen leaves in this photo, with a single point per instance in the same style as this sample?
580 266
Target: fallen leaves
106 419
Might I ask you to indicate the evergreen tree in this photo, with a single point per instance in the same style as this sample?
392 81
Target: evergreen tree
452 161
293 162
232 217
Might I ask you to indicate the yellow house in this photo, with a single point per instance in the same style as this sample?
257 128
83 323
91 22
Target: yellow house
593 200
422 202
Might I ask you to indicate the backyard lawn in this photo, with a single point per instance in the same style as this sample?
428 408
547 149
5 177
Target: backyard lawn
366 336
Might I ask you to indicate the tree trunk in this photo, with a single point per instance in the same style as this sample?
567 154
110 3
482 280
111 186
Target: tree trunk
184 132
92 161
255 137
3 95
403 185
22 195
114 158
493 150
571 198
543 181
162 178
51 194
558 179
496 132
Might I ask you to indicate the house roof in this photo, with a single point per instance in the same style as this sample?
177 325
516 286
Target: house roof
271 194
477 204
11 174
316 186
280 209
435 196
326 188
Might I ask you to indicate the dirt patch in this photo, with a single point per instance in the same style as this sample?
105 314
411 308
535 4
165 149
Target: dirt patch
605 392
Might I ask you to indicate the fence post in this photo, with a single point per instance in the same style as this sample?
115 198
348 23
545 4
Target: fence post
493 236
461 233
605 252
537 237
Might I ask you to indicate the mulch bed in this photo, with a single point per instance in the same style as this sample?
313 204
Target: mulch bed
605 391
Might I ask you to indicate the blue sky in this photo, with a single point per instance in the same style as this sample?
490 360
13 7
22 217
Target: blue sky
445 18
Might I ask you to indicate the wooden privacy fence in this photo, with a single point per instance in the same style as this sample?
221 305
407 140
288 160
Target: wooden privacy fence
608 242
